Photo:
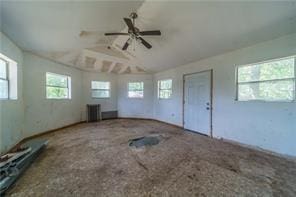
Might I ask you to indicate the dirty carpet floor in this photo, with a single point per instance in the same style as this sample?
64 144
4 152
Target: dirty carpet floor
95 160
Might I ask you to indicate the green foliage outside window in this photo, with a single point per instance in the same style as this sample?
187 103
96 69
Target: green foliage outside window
57 86
270 81
136 90
100 89
165 89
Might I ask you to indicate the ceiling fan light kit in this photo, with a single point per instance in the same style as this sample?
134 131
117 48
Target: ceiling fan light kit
134 33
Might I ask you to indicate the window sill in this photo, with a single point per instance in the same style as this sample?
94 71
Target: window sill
164 98
135 97
58 99
6 100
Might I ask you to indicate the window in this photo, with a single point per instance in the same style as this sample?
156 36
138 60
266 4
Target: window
3 79
8 78
100 89
268 81
136 89
165 89
58 86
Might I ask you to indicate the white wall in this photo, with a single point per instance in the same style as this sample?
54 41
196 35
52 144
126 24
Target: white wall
135 107
269 125
11 111
43 114
107 104
32 113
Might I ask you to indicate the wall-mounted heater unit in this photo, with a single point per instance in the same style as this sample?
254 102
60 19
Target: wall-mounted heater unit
93 113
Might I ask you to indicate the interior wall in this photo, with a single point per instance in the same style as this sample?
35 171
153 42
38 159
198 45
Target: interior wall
135 107
43 114
269 125
11 111
107 104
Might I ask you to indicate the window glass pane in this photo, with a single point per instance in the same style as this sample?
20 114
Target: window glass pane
56 80
56 92
3 69
3 89
135 86
270 91
136 94
165 94
136 89
100 93
165 89
166 84
100 85
279 69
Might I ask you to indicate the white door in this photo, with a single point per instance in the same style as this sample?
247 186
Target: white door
197 102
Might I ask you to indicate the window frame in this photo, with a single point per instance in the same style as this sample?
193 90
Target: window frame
6 79
94 89
137 90
159 88
68 86
262 81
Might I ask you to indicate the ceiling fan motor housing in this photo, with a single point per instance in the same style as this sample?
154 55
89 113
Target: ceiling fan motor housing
130 31
133 15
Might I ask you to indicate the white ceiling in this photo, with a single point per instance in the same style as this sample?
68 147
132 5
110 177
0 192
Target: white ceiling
190 30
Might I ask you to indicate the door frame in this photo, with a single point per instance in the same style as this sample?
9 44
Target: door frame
211 99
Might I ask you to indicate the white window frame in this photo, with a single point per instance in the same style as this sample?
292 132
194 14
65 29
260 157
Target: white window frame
159 88
68 86
94 89
138 90
262 100
11 78
6 78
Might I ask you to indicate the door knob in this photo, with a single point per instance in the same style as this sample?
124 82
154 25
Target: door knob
208 108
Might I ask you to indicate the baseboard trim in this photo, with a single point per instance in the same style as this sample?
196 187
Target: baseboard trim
168 123
252 147
53 130
134 118
257 148
38 135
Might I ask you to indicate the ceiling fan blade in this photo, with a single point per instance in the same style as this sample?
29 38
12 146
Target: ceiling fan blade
116 34
150 33
145 43
129 23
126 45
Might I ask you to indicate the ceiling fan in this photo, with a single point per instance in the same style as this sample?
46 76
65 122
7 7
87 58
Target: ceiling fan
134 33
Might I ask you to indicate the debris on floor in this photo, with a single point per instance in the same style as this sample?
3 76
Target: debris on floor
181 164
13 164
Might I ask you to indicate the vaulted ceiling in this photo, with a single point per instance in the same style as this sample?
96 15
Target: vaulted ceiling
72 32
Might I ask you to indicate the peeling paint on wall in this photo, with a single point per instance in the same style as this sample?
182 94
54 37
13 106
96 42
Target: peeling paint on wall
106 66
117 68
104 41
140 69
74 60
108 51
89 62
128 70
